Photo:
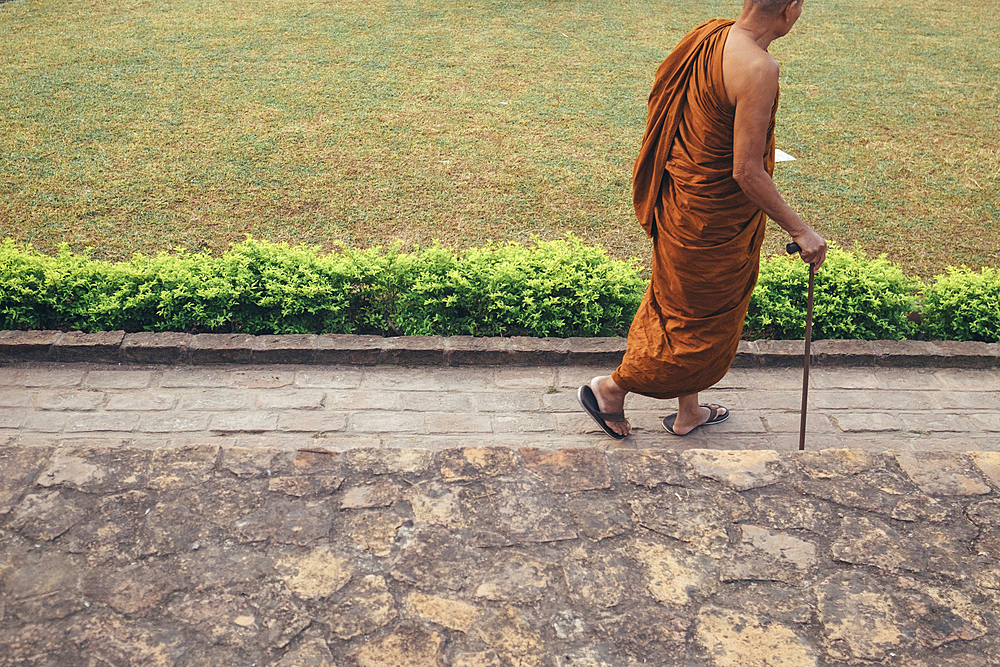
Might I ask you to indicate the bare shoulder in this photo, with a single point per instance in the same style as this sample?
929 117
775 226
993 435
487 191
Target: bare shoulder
747 68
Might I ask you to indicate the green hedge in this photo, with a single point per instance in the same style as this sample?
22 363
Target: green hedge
854 298
964 305
555 288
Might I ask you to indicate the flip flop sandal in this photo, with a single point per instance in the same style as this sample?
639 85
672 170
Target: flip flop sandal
713 418
588 401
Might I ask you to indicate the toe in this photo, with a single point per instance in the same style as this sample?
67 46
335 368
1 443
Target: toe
621 428
718 410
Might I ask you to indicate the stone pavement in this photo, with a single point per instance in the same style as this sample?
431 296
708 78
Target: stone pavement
226 506
492 557
344 407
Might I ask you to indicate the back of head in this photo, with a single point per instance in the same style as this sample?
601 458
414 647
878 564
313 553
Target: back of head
768 6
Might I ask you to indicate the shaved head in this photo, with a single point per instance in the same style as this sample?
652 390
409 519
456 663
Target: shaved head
768 6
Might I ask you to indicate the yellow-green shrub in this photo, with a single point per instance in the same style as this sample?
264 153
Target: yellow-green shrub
551 288
855 298
963 305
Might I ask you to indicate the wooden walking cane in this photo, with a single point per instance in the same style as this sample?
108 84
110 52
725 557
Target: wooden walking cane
793 248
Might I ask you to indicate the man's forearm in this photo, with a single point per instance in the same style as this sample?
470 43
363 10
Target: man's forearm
759 187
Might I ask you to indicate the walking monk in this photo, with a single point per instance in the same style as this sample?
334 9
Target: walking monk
702 188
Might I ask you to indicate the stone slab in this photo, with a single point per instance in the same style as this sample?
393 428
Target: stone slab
102 347
569 470
596 351
287 349
943 473
28 345
844 352
155 348
746 355
347 349
413 350
517 351
779 353
965 354
905 353
220 348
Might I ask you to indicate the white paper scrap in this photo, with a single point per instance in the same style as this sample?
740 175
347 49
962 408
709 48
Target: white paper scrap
782 156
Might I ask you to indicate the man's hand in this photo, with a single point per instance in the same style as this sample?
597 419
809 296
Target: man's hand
812 247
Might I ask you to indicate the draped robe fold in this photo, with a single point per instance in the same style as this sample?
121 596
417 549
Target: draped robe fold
706 232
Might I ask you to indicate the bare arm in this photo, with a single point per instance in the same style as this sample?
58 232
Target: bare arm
755 86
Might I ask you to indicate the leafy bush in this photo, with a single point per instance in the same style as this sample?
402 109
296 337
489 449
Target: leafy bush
963 305
553 288
855 298
256 288
557 288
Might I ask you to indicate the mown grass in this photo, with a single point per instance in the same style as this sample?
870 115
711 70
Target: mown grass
141 126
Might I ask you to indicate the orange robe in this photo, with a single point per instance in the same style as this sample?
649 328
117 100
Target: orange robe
706 232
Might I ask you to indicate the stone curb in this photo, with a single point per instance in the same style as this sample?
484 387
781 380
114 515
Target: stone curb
181 348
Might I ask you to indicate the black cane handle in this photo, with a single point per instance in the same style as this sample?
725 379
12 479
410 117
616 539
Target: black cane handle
792 248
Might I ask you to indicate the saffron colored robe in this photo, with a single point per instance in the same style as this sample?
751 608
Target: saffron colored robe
706 232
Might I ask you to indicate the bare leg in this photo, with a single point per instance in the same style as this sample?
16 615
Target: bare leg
611 398
690 414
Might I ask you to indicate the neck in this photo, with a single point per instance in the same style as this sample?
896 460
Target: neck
760 27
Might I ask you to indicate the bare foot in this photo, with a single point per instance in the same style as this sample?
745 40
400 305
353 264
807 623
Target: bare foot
688 420
611 398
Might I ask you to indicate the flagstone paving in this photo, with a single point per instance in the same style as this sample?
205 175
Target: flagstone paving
205 555
345 407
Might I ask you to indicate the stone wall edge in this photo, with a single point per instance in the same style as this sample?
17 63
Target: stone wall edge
26 346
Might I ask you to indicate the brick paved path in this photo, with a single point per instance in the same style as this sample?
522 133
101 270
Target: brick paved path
345 407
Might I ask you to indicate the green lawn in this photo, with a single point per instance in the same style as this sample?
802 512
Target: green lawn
131 125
